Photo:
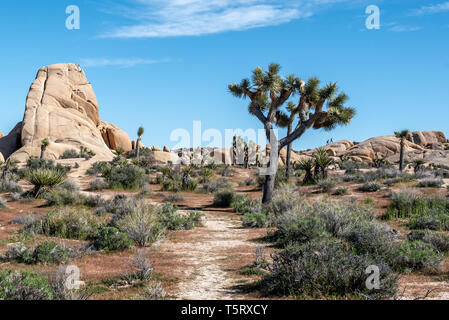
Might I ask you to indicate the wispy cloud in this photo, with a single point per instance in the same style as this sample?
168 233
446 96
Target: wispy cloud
404 28
123 63
171 18
432 9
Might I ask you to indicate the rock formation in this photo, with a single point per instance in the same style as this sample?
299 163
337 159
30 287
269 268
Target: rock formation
61 105
115 137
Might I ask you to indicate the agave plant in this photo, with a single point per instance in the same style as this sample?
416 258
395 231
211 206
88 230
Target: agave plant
44 178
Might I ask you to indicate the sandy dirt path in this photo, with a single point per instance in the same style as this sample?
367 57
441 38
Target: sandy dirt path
211 256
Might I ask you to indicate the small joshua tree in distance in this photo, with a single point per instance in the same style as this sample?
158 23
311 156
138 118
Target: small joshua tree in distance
402 135
44 144
140 133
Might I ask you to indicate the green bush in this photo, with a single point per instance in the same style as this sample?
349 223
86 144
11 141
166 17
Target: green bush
341 191
326 185
70 223
224 199
127 177
23 285
50 253
142 224
438 241
321 268
12 186
111 239
431 182
206 174
217 185
172 220
370 187
415 255
256 220
98 185
431 219
242 204
61 197
2 202
99 168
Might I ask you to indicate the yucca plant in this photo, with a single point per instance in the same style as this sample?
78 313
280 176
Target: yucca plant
322 162
44 179
307 165
418 164
140 133
402 136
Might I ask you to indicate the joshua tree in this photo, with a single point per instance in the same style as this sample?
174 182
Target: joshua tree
268 92
140 132
402 135
44 144
293 109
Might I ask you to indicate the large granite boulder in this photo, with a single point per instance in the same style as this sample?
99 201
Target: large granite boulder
428 139
61 105
115 137
379 147
10 143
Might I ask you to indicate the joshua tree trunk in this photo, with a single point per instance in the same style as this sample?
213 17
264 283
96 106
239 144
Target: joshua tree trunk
138 148
42 152
401 157
289 152
270 180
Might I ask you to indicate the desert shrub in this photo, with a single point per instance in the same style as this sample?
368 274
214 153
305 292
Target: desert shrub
60 197
34 163
44 178
99 168
217 185
206 174
142 224
24 220
171 219
256 220
242 204
152 291
15 196
352 166
98 184
73 154
415 255
173 198
248 182
341 191
45 253
431 219
70 223
50 253
120 205
2 202
111 239
325 268
410 203
353 177
284 199
225 171
326 185
431 182
172 185
23 285
127 177
7 185
370 187
438 241
224 199
402 178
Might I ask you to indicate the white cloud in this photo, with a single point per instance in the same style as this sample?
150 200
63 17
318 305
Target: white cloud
404 28
433 9
123 63
171 18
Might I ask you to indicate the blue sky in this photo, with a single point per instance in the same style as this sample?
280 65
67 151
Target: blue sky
166 63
